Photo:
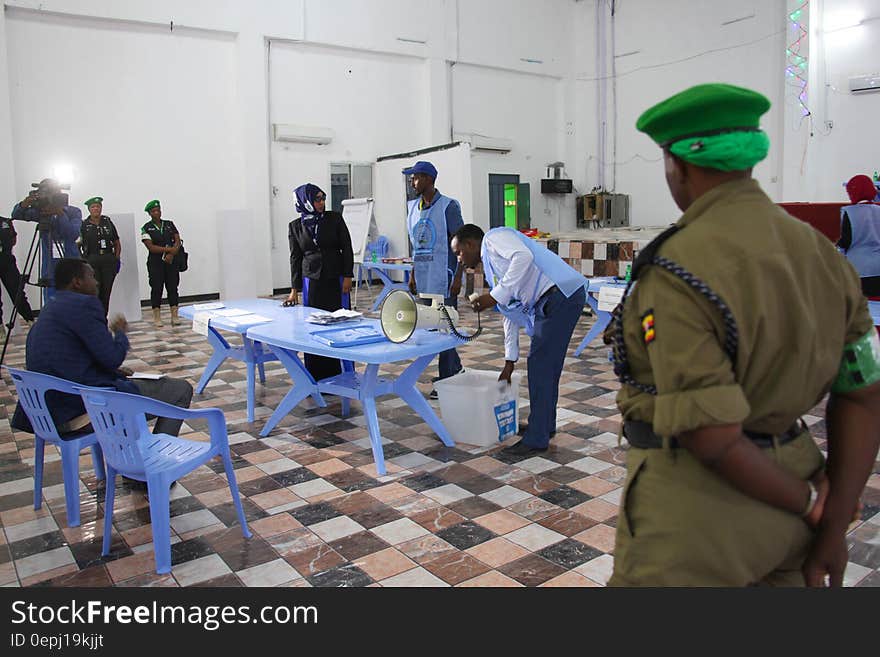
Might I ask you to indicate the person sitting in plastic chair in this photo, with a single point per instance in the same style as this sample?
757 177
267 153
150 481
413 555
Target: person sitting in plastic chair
70 340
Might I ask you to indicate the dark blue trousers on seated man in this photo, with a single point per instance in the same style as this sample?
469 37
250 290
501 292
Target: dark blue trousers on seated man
70 340
536 290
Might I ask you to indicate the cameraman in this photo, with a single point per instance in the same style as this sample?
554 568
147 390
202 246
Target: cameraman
58 222
10 275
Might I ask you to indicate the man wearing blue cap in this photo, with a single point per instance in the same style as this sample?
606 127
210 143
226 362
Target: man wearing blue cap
432 220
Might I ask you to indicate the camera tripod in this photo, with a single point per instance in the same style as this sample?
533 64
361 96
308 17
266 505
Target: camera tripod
33 255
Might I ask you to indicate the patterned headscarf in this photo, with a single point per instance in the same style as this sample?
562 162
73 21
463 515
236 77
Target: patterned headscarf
861 188
305 204
305 198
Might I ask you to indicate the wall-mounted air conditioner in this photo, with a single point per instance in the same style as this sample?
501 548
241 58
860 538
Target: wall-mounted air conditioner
302 134
863 83
486 144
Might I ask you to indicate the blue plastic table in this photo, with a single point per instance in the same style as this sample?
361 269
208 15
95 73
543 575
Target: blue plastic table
602 317
387 284
250 352
291 334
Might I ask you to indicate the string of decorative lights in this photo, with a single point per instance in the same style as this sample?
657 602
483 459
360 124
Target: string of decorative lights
796 64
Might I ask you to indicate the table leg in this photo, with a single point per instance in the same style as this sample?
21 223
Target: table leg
405 388
259 351
250 364
347 366
303 386
387 286
221 352
603 318
368 399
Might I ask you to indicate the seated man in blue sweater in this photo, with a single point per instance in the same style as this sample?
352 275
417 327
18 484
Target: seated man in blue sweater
70 340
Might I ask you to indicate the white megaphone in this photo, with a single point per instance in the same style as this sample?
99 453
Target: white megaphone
401 315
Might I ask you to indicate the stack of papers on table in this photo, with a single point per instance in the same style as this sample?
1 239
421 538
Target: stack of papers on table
342 315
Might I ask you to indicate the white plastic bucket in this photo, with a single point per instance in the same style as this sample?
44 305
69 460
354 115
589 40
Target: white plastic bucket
477 409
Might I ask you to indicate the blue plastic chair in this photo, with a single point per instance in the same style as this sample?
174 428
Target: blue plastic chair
32 388
380 248
130 449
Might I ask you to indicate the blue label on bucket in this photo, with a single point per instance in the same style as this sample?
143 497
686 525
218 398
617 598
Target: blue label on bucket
505 415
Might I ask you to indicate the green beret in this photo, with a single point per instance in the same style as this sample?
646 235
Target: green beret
152 204
704 110
93 200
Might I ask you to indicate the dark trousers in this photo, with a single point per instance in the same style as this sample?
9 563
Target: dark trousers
555 319
871 286
171 391
11 278
162 275
105 274
324 294
449 362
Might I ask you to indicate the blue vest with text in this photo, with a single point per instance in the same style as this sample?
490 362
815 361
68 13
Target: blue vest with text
430 243
864 249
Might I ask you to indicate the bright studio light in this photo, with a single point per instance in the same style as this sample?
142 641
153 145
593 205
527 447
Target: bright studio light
63 173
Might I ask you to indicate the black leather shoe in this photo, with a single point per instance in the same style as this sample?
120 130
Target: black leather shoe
521 449
525 428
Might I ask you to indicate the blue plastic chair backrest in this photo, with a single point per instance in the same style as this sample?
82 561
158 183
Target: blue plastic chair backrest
379 246
119 422
32 388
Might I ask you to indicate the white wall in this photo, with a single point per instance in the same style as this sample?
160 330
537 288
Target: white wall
852 144
373 102
380 25
676 30
525 109
506 33
7 168
144 113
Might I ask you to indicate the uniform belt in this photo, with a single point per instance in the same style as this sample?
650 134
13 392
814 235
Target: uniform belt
642 436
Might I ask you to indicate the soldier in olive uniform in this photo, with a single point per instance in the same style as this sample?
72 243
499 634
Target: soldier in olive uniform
740 320
101 248
163 242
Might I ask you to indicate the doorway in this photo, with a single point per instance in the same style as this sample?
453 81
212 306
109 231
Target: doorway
509 202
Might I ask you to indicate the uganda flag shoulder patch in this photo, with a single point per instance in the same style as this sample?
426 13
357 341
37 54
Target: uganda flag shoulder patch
648 332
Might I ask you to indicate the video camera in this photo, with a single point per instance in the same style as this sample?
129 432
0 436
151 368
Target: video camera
48 194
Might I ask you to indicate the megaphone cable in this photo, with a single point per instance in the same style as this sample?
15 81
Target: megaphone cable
455 331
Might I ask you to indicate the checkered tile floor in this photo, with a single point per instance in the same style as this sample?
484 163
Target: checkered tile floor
466 516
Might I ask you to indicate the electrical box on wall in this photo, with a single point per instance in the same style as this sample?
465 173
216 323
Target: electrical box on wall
602 210
556 186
